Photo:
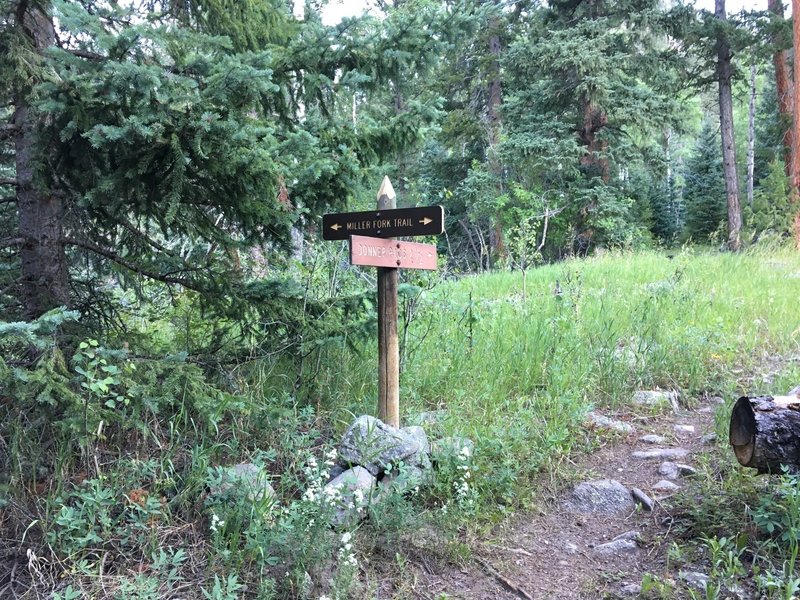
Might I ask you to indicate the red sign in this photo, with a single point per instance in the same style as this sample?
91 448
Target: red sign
377 252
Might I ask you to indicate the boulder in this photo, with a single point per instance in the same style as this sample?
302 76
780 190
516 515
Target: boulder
657 398
603 496
603 422
349 494
372 444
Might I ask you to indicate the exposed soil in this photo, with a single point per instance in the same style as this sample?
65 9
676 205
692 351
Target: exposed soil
550 554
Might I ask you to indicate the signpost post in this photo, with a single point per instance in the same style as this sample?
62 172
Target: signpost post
371 244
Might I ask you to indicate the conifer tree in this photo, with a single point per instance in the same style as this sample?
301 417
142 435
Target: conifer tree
704 191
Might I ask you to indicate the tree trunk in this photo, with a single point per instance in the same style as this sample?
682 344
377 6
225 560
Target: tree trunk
751 133
724 74
783 85
45 276
795 170
765 432
494 101
594 119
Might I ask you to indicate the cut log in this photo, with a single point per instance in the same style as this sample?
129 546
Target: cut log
765 432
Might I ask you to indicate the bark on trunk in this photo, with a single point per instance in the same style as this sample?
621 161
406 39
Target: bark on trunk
784 88
495 100
795 170
594 119
724 74
45 276
765 432
751 134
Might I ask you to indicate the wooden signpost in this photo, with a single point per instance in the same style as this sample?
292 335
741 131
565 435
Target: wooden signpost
370 234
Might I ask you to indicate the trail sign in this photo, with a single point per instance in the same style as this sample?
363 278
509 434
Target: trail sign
388 223
376 252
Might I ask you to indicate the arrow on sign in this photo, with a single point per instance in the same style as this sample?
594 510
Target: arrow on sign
336 227
426 220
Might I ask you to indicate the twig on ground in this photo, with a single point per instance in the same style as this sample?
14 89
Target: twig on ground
506 583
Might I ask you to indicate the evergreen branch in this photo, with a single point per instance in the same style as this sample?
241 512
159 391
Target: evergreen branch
115 257
8 199
9 242
86 54
9 181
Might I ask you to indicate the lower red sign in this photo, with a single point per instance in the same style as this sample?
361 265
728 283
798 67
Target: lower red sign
377 252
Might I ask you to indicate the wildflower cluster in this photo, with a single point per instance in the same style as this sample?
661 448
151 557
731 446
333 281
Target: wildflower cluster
346 556
216 523
461 484
316 476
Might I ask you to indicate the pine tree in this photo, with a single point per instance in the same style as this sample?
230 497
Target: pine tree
706 208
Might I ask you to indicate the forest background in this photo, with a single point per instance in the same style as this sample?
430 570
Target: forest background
168 306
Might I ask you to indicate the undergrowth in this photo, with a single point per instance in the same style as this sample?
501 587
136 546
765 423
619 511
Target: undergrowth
111 446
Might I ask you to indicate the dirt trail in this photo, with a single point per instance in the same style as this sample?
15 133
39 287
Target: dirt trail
551 556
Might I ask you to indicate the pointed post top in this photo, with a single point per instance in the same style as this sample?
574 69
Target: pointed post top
386 191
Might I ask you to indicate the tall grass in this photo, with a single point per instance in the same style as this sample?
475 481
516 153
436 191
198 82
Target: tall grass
517 375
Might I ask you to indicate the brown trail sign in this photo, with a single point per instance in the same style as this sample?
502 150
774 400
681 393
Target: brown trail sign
367 232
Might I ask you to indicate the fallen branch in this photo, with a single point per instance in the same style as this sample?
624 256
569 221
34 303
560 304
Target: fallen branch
506 583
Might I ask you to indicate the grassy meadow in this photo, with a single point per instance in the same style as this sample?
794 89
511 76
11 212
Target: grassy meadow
514 366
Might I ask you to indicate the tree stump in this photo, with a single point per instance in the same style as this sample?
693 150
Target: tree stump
765 432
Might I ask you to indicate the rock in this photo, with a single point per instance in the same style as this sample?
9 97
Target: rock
335 471
422 457
661 453
709 439
694 579
244 479
653 439
372 444
656 398
615 548
645 501
404 479
684 428
669 470
570 548
630 589
631 535
686 470
716 400
603 496
666 486
350 493
603 422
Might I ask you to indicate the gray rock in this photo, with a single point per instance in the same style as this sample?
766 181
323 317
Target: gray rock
372 444
666 486
653 439
403 479
630 590
656 398
669 470
350 493
422 457
686 470
603 422
603 496
631 535
335 471
615 548
645 501
244 479
570 548
709 439
694 579
661 453
684 429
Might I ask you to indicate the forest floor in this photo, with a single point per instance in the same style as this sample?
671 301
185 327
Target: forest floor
550 553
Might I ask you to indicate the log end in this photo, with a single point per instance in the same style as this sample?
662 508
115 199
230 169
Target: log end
742 431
